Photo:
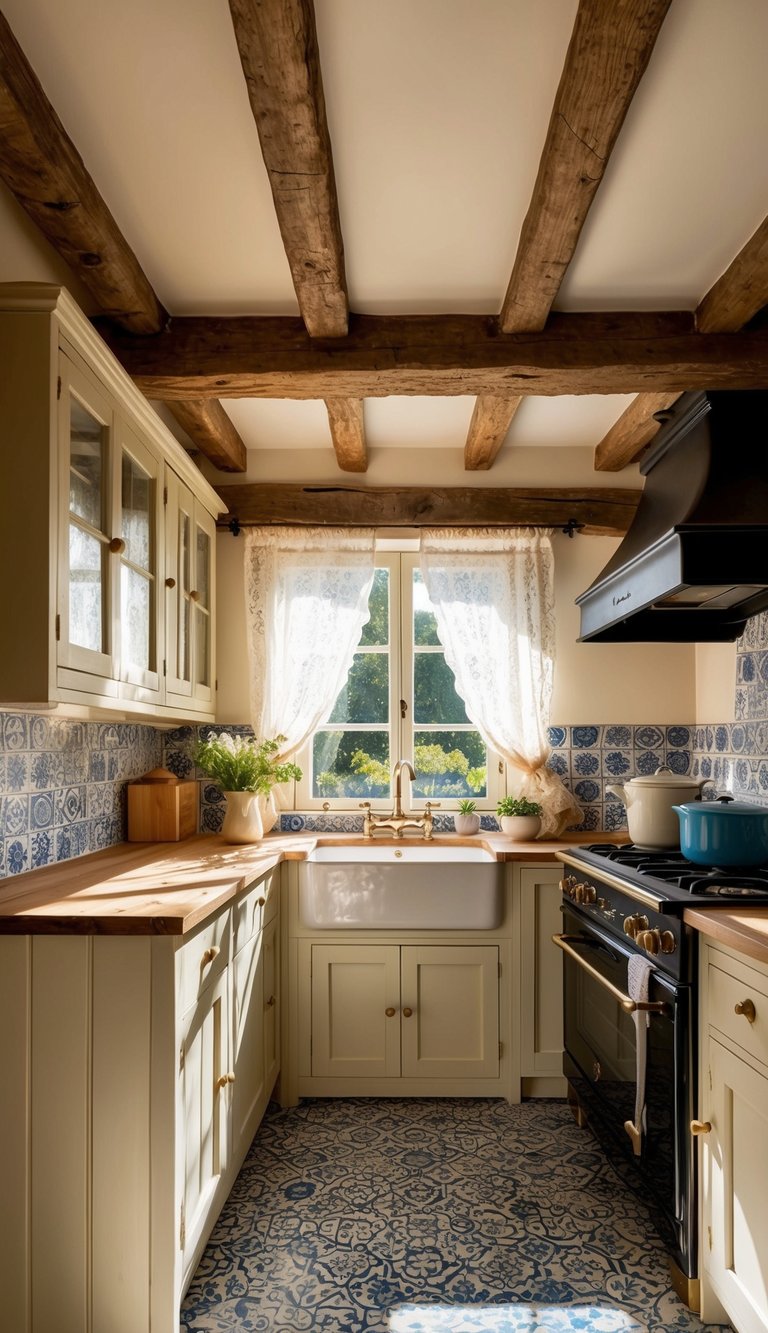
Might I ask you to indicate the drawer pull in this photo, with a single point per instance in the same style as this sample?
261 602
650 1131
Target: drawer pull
209 955
390 1012
407 1013
271 1001
116 546
701 1127
747 1009
262 902
224 1080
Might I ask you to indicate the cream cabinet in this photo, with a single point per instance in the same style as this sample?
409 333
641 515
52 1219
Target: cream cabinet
733 1134
541 981
117 596
136 1071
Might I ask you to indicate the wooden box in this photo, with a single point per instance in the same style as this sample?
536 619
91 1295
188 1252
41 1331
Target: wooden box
161 808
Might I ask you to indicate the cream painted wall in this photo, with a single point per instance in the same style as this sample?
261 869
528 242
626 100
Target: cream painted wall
715 682
593 682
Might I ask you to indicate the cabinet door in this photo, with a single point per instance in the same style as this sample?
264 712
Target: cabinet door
247 1036
541 973
735 1184
271 1007
190 575
450 1011
201 598
138 504
88 573
204 1108
353 987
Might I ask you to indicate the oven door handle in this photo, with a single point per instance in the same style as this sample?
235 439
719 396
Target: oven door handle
631 1006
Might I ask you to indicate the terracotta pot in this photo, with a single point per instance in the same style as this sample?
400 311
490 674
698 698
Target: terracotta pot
242 820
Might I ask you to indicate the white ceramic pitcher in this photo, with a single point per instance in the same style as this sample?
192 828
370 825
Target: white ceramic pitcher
649 800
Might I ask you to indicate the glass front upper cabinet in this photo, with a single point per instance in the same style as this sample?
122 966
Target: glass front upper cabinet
189 557
138 522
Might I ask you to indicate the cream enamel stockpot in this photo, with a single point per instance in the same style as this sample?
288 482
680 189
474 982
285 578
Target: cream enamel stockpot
650 802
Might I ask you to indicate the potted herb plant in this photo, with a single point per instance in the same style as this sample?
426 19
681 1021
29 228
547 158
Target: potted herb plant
466 821
520 819
244 770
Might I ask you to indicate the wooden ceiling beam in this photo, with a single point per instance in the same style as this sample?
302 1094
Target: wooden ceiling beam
601 511
609 50
491 419
277 41
728 306
345 418
43 169
440 355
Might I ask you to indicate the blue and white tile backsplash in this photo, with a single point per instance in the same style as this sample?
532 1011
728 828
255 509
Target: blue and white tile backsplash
62 782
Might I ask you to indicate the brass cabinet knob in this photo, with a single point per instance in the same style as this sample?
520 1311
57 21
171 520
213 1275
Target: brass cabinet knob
701 1127
116 546
271 1001
261 902
407 1013
747 1009
225 1079
390 1012
209 955
194 596
170 583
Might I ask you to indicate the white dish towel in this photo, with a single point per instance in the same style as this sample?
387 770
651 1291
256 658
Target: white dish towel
638 974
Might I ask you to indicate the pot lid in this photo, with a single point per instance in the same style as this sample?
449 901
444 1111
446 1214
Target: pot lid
726 805
664 777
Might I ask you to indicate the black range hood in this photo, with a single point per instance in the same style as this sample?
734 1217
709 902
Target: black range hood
693 566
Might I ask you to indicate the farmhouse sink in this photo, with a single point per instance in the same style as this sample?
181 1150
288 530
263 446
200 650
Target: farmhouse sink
385 887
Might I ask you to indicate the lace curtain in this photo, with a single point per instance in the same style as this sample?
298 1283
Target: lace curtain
492 590
306 599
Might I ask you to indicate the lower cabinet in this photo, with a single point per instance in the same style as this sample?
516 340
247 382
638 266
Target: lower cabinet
734 1149
410 1011
541 981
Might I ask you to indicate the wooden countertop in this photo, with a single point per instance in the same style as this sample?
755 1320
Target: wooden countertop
745 930
169 888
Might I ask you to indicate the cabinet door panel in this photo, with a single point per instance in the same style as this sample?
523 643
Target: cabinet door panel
248 1035
541 973
453 1029
736 1188
204 1107
352 987
271 1007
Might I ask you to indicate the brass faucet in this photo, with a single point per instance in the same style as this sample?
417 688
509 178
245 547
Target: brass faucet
399 820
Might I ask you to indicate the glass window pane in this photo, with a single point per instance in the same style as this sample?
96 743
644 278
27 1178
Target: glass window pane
184 526
377 629
449 764
183 639
434 689
86 576
424 623
203 570
202 646
135 619
365 695
87 439
351 763
136 497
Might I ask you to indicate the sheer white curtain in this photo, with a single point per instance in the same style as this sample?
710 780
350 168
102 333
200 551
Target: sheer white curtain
306 598
492 590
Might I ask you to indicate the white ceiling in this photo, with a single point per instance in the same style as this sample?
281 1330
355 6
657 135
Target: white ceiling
438 111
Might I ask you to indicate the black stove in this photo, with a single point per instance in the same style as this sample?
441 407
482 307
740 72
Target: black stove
674 880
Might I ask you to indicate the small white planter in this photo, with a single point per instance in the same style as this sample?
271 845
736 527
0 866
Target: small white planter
521 828
466 824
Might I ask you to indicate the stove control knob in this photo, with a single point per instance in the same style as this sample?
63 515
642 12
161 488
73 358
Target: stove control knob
634 924
583 893
590 894
566 885
656 941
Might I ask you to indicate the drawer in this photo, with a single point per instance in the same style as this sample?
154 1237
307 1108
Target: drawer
737 987
255 909
203 959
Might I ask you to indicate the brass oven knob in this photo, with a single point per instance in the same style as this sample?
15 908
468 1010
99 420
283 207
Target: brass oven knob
668 942
590 894
656 941
634 924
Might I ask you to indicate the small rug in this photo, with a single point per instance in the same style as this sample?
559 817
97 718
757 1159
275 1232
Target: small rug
431 1216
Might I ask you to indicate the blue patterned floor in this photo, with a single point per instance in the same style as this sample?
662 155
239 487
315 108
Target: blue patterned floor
430 1216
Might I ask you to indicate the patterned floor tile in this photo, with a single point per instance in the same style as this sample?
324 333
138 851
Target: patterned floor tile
430 1216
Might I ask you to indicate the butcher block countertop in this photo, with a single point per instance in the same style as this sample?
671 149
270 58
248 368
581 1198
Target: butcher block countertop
169 888
745 930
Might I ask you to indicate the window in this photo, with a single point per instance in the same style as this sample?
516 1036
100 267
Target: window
399 701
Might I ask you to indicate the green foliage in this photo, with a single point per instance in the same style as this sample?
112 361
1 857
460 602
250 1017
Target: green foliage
467 807
511 805
374 770
237 764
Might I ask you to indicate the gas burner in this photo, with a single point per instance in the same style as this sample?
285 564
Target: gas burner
721 886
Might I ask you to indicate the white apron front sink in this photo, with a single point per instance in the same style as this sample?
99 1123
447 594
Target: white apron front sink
396 886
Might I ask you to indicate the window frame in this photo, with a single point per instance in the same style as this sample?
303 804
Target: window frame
401 725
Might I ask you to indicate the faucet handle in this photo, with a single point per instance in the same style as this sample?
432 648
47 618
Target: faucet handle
432 805
364 805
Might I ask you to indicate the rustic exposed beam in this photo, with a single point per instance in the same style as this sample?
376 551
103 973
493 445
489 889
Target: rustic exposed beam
212 432
277 41
43 169
609 49
731 303
273 357
345 417
601 511
491 419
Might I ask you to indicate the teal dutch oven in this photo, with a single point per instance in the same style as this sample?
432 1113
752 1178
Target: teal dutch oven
723 832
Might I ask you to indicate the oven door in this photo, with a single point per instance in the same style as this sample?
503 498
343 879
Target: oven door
600 1064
